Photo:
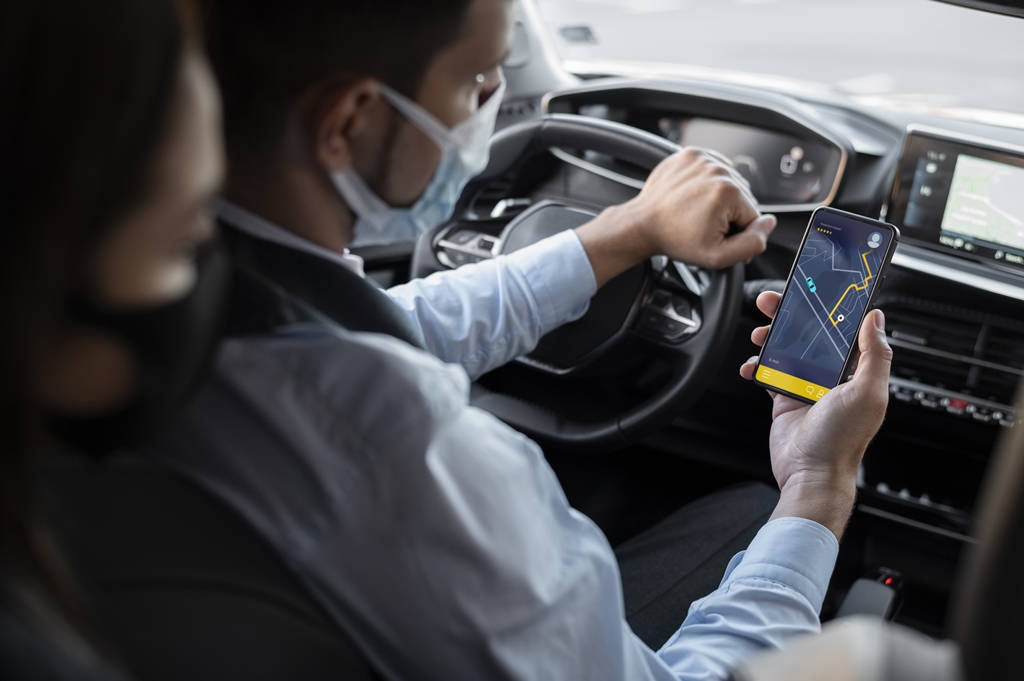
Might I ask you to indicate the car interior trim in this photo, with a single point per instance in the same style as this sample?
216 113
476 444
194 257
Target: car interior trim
914 386
907 258
896 342
566 157
949 135
879 513
723 95
627 325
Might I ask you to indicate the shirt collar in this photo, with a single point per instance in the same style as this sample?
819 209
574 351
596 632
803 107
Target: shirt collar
255 226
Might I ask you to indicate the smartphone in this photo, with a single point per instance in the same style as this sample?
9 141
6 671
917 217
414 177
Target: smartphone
841 263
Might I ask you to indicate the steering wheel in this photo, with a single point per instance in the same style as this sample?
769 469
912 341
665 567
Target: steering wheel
683 316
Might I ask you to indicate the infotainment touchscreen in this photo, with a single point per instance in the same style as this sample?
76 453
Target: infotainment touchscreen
985 204
962 196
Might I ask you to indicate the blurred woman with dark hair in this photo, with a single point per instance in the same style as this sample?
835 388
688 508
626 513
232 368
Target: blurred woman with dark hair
110 154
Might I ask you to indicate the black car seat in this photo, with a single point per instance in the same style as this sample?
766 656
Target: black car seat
29 654
181 585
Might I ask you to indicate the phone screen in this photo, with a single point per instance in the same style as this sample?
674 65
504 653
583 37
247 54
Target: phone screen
816 326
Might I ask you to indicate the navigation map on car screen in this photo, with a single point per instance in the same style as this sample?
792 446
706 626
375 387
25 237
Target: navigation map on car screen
817 322
986 203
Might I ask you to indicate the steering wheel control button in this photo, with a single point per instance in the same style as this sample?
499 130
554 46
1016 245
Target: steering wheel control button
465 247
462 238
669 315
651 321
682 307
672 329
660 300
688 278
457 257
509 207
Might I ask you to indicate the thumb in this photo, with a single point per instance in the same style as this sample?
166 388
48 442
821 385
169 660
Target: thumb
876 355
744 245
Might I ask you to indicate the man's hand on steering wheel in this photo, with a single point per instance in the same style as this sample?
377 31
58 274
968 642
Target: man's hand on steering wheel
816 450
684 211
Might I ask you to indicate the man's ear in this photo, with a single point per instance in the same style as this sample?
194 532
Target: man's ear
349 115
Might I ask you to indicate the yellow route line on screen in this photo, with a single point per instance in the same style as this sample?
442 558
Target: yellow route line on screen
852 287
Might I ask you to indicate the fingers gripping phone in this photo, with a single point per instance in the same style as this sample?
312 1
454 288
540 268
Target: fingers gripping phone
841 262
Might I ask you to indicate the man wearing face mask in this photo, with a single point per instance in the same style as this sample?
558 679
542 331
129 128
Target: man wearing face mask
381 151
435 535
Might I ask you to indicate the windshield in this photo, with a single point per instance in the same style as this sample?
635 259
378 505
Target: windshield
916 54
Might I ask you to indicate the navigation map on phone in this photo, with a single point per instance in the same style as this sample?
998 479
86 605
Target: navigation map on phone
815 328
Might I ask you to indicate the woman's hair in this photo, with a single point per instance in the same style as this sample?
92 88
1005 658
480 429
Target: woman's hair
85 91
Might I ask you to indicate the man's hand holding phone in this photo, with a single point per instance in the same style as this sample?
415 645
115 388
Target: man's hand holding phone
816 450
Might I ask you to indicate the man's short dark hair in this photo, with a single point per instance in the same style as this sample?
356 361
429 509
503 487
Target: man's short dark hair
267 53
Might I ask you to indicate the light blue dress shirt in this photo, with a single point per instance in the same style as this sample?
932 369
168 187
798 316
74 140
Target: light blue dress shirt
482 316
438 537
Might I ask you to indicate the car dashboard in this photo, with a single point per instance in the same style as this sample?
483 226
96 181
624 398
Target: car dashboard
954 298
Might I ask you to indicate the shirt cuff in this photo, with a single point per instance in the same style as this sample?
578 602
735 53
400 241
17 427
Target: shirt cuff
797 552
559 274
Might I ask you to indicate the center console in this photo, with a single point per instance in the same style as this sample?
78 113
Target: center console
957 335
959 202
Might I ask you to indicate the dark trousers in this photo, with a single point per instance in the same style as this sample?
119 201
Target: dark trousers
683 558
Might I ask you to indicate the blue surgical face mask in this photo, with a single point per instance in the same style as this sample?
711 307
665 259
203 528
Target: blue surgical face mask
464 154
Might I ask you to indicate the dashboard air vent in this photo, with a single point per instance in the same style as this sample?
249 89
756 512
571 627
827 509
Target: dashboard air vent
955 349
1005 348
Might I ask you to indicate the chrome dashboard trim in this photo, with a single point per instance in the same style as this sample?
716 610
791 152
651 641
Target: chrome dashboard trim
896 518
595 169
708 93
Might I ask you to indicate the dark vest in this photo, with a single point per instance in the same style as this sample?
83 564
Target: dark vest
278 285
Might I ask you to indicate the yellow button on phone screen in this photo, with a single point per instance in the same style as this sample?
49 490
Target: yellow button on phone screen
790 384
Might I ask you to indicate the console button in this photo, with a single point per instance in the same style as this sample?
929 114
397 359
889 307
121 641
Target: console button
956 406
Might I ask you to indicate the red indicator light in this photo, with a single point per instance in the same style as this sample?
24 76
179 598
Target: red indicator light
888 581
958 404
